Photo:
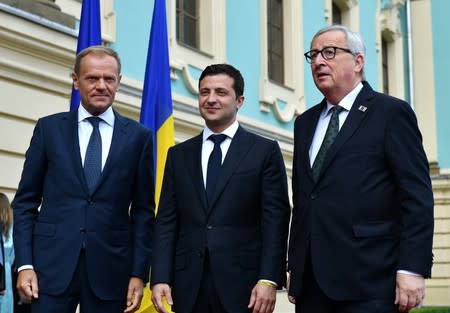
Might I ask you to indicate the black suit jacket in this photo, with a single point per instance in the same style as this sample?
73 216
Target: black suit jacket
114 223
371 211
244 229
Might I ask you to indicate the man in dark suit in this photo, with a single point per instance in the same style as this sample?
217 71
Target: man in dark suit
90 172
362 227
221 238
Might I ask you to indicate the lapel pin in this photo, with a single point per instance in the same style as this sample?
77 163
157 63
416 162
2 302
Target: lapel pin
362 108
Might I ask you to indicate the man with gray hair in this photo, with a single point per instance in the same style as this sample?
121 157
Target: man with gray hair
362 225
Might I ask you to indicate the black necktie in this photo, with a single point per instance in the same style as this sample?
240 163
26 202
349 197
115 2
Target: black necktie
93 158
330 135
214 164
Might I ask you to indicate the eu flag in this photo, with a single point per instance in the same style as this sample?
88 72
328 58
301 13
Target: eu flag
89 34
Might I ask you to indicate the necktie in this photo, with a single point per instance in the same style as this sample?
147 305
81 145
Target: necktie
214 164
330 135
93 158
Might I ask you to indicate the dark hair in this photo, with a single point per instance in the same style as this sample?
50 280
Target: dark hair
98 50
216 69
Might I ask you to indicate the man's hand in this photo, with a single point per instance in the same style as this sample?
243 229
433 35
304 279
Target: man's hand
409 291
262 299
134 295
27 285
158 292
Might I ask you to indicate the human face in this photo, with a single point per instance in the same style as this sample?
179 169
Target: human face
217 101
335 78
97 82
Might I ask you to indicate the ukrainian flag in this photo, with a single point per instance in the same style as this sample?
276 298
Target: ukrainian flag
156 109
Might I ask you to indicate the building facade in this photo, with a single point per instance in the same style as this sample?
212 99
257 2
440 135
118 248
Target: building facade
265 39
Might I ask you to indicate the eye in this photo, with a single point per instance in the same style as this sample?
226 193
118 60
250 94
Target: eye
328 53
313 54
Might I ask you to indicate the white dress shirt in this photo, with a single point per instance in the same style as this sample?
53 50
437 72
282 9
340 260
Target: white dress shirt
324 120
85 128
208 145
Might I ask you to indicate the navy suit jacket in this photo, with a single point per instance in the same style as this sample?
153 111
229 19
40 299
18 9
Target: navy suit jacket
114 223
244 229
370 213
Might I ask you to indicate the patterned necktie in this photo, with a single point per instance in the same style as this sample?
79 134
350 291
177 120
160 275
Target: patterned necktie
330 135
214 164
93 158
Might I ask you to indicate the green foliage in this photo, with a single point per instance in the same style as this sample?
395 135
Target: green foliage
431 310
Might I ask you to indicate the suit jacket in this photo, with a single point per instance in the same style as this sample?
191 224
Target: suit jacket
370 212
114 223
244 229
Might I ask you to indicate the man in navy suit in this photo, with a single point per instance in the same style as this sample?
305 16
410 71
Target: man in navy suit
81 239
362 226
222 248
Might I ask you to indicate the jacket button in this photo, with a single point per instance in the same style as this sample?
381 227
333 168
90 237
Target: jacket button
313 196
82 230
209 227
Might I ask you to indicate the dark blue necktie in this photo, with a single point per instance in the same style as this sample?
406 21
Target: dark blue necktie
214 164
330 135
93 158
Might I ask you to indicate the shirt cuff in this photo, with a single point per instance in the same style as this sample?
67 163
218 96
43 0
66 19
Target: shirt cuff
268 282
408 273
25 267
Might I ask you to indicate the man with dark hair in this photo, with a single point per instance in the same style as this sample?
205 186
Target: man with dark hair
90 172
221 229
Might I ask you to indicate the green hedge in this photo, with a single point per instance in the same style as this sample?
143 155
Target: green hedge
431 310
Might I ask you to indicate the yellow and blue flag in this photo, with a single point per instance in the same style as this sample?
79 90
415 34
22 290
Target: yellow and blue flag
156 109
89 34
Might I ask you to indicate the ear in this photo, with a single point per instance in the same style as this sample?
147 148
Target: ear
75 81
240 102
359 63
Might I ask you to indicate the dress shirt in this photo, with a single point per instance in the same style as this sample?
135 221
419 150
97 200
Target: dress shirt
85 128
324 120
208 145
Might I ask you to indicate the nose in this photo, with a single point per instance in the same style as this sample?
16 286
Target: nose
100 83
211 97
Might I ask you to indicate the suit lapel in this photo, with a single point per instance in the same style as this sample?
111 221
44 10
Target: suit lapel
311 129
352 123
69 128
193 157
240 146
118 141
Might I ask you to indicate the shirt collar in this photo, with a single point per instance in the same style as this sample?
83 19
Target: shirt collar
230 131
348 100
107 116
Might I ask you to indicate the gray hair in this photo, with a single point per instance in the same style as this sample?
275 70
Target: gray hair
98 50
354 41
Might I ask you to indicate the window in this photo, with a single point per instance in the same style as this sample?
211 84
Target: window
275 40
384 65
336 14
187 23
281 89
344 12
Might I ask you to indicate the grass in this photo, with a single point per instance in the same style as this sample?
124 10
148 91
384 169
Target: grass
439 309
